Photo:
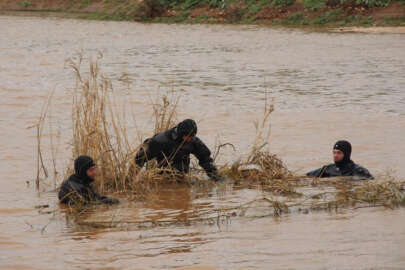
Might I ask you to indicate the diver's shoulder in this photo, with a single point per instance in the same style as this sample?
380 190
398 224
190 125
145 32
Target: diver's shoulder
196 140
362 171
360 168
162 137
330 166
72 184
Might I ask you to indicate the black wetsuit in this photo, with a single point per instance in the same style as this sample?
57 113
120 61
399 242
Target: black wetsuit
169 149
346 167
77 188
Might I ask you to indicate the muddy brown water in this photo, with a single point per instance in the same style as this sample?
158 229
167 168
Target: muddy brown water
326 86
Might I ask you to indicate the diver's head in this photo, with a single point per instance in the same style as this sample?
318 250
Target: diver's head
85 168
342 151
187 130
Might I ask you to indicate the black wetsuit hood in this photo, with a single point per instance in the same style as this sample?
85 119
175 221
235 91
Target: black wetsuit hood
77 188
187 127
346 148
82 164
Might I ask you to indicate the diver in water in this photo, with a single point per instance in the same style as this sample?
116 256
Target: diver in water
172 149
77 188
343 165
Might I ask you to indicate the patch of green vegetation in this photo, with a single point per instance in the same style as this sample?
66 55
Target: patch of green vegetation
282 3
331 16
314 4
249 20
234 11
398 21
182 17
85 3
201 19
296 19
25 4
189 4
365 3
256 6
97 16
373 3
357 20
216 3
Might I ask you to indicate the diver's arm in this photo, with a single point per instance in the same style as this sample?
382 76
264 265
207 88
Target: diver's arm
203 154
144 154
97 197
318 172
71 193
106 200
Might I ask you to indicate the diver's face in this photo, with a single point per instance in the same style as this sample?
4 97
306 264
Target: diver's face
92 172
338 155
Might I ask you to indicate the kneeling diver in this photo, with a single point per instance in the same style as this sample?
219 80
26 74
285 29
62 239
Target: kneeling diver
172 149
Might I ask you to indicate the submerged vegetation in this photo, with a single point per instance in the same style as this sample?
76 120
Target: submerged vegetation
100 130
332 13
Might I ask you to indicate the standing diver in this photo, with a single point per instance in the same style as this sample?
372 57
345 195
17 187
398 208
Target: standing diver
343 165
77 189
172 149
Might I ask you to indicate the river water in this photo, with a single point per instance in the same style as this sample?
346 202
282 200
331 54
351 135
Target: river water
326 86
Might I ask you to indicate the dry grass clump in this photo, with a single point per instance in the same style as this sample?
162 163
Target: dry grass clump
154 180
270 164
260 167
389 194
274 178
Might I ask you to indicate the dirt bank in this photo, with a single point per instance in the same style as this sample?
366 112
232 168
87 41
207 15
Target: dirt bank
330 13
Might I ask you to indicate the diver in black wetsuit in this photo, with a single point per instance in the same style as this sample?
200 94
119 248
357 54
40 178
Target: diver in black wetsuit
77 188
343 165
172 148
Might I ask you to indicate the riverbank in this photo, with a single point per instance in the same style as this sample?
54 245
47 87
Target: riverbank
302 13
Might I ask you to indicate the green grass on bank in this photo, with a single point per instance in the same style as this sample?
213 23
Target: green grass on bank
283 12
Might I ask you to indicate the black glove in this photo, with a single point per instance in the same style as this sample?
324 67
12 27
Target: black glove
110 201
